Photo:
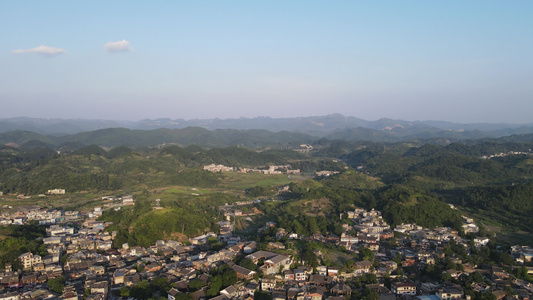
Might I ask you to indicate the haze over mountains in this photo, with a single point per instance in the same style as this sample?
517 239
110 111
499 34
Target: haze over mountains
250 132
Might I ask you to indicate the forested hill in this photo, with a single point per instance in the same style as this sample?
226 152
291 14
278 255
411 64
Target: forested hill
402 178
444 167
313 125
113 137
91 168
34 164
260 131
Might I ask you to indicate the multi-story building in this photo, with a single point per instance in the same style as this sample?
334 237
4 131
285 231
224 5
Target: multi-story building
28 260
449 293
403 288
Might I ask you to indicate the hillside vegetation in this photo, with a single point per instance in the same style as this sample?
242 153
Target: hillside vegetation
91 168
411 181
178 217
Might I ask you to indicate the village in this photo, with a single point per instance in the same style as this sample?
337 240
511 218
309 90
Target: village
93 269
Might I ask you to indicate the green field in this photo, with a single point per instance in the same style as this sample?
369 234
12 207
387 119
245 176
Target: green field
231 183
75 201
247 180
187 190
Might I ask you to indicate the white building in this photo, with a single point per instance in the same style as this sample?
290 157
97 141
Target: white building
403 288
56 192
28 260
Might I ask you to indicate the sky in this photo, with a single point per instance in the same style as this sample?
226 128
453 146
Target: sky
459 61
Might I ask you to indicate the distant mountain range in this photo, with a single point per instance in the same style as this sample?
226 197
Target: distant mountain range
249 132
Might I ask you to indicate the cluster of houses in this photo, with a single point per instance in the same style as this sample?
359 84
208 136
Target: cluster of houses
79 246
469 225
232 211
522 254
326 173
304 148
218 168
436 234
270 170
119 200
417 248
370 229
48 192
93 269
503 154
24 215
56 192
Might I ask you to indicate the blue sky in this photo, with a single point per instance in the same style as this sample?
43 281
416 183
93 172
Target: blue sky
461 61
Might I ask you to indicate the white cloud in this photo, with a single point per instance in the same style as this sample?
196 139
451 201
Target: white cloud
118 46
43 50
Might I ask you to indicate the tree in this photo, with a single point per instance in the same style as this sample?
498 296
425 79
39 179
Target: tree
214 287
399 271
370 278
262 295
229 277
446 276
387 280
183 296
484 296
309 255
248 264
160 284
434 271
509 291
124 291
141 290
196 284
398 259
366 254
57 284
371 295
522 273
507 259
476 277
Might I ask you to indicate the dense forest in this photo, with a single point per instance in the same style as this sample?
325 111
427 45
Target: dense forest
510 205
35 170
410 181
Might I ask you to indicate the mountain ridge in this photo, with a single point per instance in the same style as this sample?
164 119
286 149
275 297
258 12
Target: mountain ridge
313 125
258 132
